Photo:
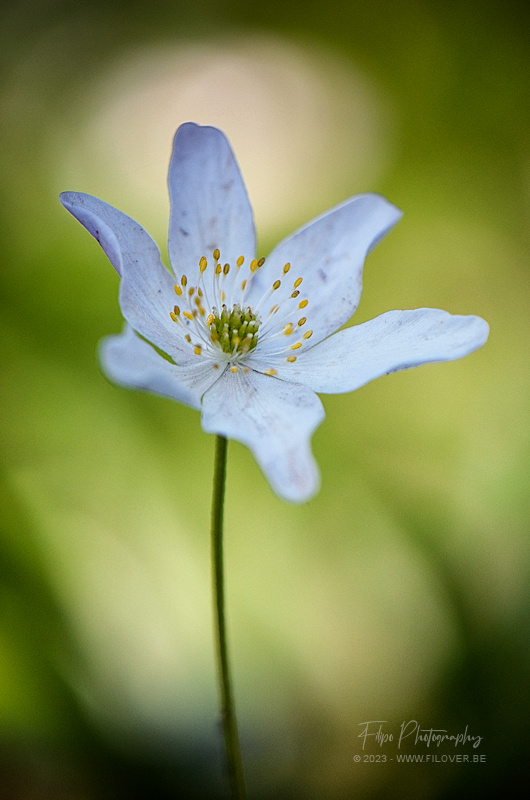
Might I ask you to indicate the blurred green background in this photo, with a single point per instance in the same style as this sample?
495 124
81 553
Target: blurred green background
401 591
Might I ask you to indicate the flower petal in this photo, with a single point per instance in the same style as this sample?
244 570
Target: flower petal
146 288
209 203
131 361
275 420
394 341
328 254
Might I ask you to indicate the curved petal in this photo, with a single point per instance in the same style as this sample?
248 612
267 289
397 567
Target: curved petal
209 203
146 288
275 420
328 254
131 361
394 341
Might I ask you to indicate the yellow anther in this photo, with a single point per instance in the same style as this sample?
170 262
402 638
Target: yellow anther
191 291
271 371
183 280
295 293
291 359
197 350
254 265
216 366
295 346
178 290
245 370
297 282
234 369
176 310
301 321
307 335
276 285
303 303
274 308
240 260
286 268
209 319
243 285
218 269
187 315
226 269
223 296
287 329
203 263
199 291
261 262
188 338
173 316
216 254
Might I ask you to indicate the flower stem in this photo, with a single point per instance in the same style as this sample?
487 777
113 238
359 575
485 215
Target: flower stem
228 717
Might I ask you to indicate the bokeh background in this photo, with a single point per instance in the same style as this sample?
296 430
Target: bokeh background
399 593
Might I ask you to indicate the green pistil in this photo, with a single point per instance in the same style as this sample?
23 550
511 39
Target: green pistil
236 331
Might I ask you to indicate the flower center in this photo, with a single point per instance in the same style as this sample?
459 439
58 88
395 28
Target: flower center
221 326
235 331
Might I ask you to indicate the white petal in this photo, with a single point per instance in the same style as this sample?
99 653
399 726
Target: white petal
275 420
209 203
130 361
328 254
146 288
394 341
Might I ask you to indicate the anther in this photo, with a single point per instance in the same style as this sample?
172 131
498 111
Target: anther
240 260
271 371
295 293
287 329
254 265
261 262
226 269
286 268
183 280
291 359
197 350
303 303
178 290
295 346
203 263
307 335
301 321
216 254
297 283
276 285
234 369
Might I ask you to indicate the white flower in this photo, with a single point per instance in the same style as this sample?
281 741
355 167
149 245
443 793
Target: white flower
249 342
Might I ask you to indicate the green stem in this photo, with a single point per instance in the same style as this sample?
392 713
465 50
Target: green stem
233 754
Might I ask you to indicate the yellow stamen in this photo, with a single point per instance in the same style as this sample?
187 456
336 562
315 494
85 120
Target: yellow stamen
226 269
187 315
197 350
178 290
254 265
173 316
203 264
307 335
271 371
291 359
183 280
297 283
287 329
240 260
295 346
295 293
303 303
276 285
234 369
301 321
261 262
216 254
286 268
